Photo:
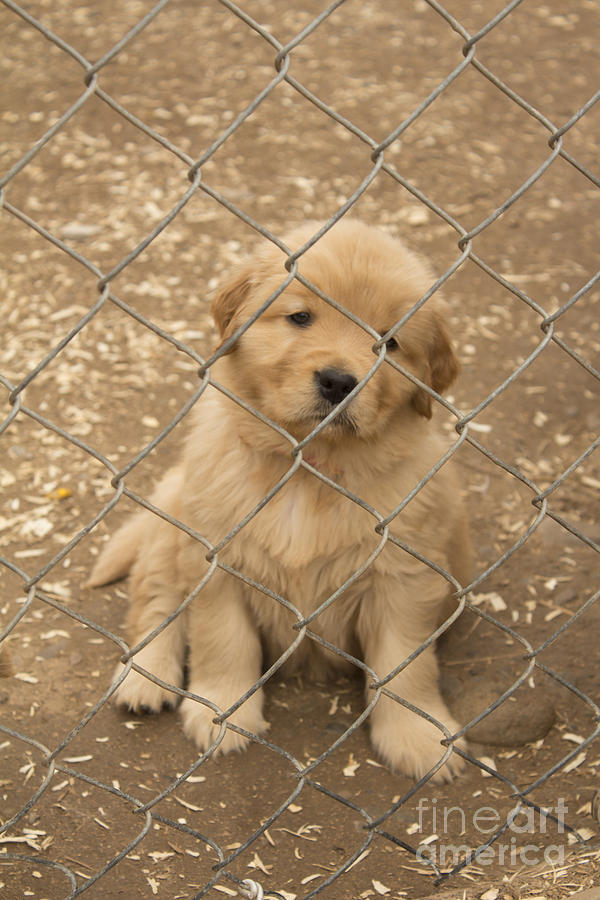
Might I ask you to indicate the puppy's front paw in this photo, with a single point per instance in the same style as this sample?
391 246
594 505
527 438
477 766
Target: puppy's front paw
198 719
411 745
139 694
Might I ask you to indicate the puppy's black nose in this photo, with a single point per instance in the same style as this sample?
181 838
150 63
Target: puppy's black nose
334 385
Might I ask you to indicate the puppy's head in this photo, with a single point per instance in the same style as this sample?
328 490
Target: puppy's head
302 357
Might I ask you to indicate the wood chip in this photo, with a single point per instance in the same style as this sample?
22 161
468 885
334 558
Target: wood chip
563 439
429 840
20 839
257 863
489 762
359 859
60 786
25 676
175 848
574 763
186 804
78 231
584 833
492 599
58 588
350 768
27 770
37 528
304 832
590 482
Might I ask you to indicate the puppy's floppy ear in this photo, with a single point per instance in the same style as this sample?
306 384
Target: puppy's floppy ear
229 300
441 367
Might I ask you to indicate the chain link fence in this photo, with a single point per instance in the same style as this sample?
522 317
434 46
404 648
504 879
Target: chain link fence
95 390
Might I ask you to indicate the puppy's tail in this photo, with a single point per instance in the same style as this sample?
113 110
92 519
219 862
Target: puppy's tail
116 559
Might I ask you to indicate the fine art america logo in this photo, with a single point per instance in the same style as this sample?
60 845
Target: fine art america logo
510 849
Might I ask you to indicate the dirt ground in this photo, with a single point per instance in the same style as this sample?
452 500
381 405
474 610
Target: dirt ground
101 185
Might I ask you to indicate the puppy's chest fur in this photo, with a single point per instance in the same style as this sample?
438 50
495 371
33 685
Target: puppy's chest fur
304 553
306 543
307 520
305 527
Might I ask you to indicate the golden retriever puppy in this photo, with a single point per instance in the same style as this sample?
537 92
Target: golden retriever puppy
300 361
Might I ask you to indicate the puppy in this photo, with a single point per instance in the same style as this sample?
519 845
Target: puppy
296 364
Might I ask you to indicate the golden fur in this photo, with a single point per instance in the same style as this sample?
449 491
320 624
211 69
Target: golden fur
309 539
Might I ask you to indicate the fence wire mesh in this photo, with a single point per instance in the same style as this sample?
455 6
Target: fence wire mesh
198 127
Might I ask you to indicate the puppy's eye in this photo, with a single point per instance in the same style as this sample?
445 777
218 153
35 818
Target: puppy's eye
392 344
300 318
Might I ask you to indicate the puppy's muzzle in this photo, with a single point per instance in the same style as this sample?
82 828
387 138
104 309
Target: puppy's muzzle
334 385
